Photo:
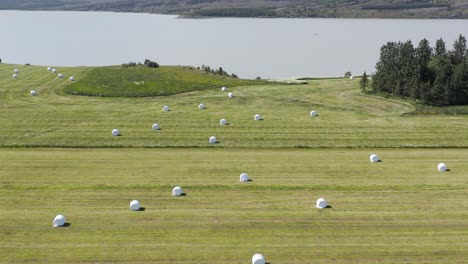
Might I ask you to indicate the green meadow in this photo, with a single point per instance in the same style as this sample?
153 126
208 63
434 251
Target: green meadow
57 156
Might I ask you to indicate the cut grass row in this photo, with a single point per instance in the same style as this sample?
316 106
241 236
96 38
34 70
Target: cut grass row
400 210
346 118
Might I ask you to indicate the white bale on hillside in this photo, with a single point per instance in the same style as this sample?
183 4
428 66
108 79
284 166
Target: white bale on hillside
224 89
135 205
442 167
71 79
60 75
231 95
177 191
351 77
54 70
15 76
374 158
257 117
223 122
321 203
244 177
115 132
59 220
33 92
49 69
212 140
201 106
313 113
165 108
16 71
155 127
258 259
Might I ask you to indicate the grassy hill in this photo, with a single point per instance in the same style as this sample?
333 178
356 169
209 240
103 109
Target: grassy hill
57 156
141 81
261 8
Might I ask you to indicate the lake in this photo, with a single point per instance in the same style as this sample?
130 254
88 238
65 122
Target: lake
249 47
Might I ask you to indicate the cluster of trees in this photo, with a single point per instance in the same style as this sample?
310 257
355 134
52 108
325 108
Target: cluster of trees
218 71
435 76
147 63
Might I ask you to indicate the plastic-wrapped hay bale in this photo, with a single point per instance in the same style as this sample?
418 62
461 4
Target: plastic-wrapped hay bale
59 220
244 177
155 127
201 106
177 191
165 108
258 259
313 113
71 79
213 140
442 167
231 95
33 92
223 122
135 205
374 158
224 89
115 132
258 117
321 203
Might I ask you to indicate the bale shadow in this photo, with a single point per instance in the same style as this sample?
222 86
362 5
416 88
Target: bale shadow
447 170
328 207
183 194
142 209
249 180
379 161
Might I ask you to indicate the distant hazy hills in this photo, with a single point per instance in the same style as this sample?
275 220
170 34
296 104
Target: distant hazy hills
260 8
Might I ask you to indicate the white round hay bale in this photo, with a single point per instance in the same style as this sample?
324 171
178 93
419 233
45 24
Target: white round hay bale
258 259
201 106
115 132
33 92
15 76
351 77
177 191
213 140
223 122
60 75
59 220
135 205
49 69
224 89
231 95
313 113
71 79
155 127
374 158
16 71
244 177
54 70
442 167
165 108
257 117
321 203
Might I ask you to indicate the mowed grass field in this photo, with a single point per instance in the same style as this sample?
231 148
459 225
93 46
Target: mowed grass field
58 157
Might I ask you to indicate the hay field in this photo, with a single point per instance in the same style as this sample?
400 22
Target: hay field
58 157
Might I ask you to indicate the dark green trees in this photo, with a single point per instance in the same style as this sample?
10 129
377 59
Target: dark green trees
433 76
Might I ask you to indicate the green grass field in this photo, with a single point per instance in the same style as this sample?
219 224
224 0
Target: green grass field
57 156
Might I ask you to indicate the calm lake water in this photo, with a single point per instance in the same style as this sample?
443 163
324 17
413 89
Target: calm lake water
249 47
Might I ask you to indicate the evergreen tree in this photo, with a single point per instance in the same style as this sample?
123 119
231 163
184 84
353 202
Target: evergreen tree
364 82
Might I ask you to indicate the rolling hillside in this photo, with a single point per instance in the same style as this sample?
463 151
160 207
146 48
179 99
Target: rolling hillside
263 8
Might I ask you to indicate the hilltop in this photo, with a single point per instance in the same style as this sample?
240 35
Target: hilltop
262 8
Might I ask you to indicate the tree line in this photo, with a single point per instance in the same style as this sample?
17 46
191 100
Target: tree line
432 75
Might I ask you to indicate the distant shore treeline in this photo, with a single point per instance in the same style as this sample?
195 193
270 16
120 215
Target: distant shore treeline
433 75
